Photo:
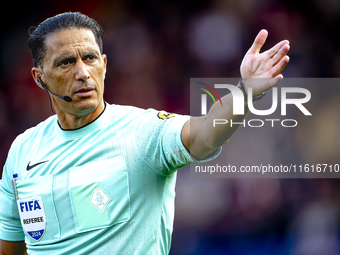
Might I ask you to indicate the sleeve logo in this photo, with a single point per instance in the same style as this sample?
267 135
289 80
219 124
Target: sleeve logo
165 115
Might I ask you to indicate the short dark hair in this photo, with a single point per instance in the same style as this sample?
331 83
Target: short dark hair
67 20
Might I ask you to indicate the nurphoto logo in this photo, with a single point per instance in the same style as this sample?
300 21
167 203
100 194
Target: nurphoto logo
238 104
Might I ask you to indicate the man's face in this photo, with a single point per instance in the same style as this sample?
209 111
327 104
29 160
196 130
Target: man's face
73 66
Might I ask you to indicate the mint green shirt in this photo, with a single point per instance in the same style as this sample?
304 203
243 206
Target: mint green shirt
106 188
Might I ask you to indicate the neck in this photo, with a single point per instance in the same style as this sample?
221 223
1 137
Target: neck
72 121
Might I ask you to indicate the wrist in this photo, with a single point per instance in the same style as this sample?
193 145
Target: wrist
255 98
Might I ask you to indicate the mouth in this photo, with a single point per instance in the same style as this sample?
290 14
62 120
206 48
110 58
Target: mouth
84 92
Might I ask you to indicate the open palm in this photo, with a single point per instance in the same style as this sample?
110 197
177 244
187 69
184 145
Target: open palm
266 65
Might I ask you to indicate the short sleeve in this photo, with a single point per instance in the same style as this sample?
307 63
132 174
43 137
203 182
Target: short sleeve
160 144
10 226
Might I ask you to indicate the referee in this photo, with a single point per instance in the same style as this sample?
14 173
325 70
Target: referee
97 178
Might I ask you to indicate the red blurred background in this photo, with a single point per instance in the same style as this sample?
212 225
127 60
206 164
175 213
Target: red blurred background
154 48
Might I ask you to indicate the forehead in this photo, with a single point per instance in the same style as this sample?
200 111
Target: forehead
70 40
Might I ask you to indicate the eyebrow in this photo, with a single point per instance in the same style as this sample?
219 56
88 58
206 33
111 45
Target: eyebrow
72 56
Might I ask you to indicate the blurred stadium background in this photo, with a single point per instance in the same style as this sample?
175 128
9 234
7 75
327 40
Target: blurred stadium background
153 49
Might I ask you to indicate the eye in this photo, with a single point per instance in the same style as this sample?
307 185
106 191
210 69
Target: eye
90 57
66 62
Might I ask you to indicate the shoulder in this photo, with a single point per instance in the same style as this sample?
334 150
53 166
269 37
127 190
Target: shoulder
143 121
123 115
132 112
29 135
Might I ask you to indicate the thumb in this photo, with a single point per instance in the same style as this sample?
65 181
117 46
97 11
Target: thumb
260 39
274 81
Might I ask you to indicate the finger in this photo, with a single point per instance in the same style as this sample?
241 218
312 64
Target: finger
280 54
274 50
258 42
280 66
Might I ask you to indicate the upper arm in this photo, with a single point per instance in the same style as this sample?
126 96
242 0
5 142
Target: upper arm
10 224
185 135
158 141
12 248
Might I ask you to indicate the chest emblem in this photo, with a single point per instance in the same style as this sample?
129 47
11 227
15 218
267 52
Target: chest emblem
99 199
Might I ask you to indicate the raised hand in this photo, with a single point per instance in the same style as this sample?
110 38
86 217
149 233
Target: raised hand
266 65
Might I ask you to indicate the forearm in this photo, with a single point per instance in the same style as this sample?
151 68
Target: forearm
221 131
215 129
12 248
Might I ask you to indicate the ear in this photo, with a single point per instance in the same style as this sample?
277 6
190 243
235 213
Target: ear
104 57
37 72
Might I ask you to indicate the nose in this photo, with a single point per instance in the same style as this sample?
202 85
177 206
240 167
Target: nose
81 72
